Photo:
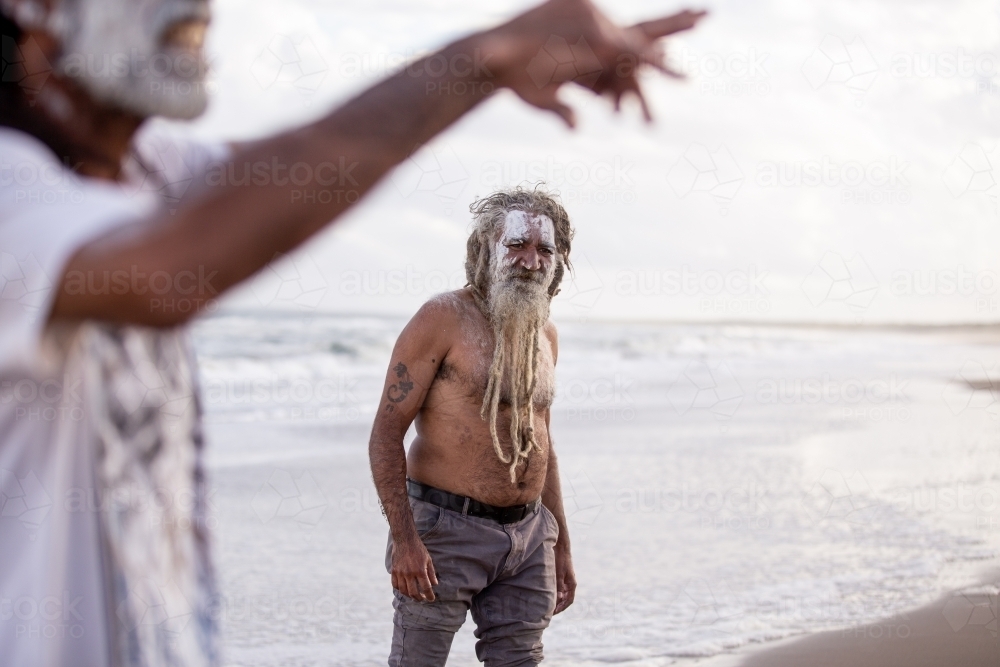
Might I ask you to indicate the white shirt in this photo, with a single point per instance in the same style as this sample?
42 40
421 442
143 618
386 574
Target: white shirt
103 545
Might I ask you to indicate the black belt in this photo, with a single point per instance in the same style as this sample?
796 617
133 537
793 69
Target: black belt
465 505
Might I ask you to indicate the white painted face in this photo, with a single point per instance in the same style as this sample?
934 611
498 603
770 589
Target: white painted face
144 56
522 227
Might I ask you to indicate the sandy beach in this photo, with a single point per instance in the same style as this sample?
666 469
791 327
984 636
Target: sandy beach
958 629
735 493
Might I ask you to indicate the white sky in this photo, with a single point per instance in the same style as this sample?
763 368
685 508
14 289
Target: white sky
903 91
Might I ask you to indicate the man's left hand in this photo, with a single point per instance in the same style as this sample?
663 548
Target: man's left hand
565 580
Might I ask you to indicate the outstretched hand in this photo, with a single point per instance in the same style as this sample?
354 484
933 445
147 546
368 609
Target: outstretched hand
573 41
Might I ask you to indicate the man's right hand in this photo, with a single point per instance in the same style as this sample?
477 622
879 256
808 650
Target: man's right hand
565 41
413 570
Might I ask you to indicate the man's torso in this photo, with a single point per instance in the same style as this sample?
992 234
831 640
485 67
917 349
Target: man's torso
453 449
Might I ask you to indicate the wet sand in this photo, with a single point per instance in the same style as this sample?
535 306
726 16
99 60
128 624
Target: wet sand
958 630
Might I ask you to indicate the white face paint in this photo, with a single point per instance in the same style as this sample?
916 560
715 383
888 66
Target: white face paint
518 225
144 56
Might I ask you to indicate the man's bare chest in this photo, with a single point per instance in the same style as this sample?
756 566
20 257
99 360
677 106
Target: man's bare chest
465 372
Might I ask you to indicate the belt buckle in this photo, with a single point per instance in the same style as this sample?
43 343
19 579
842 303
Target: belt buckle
509 515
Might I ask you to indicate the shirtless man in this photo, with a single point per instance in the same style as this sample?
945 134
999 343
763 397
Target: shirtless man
475 509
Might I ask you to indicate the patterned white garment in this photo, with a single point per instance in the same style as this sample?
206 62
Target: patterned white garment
104 552
149 477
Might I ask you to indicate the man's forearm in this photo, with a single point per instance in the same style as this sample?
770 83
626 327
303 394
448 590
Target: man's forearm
231 229
388 462
552 498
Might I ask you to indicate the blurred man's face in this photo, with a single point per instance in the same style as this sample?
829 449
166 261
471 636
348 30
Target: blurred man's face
143 56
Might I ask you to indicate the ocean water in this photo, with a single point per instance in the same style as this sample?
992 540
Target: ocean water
725 485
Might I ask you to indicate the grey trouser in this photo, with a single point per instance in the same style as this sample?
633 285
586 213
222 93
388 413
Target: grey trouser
505 573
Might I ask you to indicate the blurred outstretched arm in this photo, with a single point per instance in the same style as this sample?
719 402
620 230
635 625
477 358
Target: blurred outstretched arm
230 231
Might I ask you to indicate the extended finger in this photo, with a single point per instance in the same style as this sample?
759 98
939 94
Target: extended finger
545 98
631 85
646 114
431 574
669 25
564 111
656 56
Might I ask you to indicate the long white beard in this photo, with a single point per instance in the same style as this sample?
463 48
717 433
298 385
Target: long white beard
517 309
111 48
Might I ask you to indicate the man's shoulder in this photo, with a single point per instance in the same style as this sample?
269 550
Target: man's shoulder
442 316
455 305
